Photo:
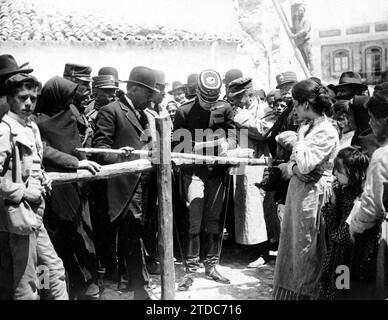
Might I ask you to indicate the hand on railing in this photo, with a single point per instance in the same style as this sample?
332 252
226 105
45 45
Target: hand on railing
92 166
128 151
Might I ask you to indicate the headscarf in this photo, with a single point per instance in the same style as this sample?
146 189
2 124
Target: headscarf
59 130
56 95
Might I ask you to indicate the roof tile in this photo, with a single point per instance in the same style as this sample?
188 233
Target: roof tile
22 21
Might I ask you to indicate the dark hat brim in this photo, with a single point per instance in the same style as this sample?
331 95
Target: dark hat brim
360 85
143 85
11 72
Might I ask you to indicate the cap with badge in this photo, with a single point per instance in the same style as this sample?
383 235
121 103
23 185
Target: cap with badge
104 82
239 85
286 78
209 86
77 72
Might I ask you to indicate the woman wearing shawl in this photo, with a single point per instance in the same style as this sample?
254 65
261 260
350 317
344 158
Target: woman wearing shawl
68 217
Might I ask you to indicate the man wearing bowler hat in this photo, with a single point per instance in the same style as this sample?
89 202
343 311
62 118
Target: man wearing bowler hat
150 219
157 108
191 86
8 68
121 124
203 185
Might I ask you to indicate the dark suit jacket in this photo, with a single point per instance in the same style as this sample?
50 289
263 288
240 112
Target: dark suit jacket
118 126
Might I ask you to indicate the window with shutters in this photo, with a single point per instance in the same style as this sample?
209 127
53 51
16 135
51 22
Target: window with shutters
341 61
373 60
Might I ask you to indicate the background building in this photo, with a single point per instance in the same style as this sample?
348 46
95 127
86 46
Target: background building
362 48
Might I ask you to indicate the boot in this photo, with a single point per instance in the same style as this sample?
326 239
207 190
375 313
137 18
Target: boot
192 261
192 253
211 260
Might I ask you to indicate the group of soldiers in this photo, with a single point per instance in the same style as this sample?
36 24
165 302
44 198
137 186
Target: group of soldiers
110 226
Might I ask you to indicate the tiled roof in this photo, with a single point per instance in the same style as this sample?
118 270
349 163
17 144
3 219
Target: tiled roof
23 21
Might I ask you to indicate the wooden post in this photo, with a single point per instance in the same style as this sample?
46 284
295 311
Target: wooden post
286 26
165 225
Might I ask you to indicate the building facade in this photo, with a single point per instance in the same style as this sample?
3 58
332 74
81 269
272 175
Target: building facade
360 48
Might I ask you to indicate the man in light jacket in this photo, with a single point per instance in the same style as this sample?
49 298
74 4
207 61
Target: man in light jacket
25 249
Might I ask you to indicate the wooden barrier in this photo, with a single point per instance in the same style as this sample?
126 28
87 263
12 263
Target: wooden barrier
168 159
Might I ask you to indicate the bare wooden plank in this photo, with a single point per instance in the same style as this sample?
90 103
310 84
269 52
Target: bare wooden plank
233 157
108 171
165 224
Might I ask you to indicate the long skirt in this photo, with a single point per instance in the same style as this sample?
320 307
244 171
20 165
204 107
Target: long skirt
302 244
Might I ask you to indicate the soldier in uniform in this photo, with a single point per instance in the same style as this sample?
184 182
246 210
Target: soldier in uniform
110 71
231 75
80 75
203 185
104 92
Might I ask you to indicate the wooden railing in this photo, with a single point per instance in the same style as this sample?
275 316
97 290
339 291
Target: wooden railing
167 160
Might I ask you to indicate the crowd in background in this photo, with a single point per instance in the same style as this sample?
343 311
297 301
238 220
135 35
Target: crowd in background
321 204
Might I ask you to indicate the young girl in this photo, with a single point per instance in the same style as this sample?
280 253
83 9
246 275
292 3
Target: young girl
350 167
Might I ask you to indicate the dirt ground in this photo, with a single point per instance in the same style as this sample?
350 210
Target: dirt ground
246 283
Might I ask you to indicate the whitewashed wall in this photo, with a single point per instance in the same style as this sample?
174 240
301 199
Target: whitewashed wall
177 59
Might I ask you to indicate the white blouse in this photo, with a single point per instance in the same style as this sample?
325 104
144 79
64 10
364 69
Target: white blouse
318 148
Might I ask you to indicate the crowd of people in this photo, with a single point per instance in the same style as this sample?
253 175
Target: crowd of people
321 203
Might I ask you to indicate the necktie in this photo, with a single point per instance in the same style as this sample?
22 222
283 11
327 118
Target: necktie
143 119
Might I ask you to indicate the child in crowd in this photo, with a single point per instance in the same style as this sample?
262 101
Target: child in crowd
350 167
